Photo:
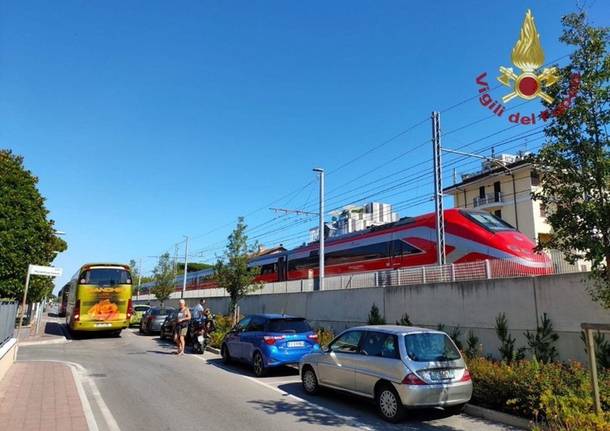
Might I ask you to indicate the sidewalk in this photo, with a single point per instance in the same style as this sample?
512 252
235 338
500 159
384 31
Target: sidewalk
40 396
50 332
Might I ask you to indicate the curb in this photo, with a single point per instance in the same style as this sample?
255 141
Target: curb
43 342
495 416
213 350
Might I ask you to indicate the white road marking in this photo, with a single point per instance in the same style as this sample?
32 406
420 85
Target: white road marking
80 376
347 419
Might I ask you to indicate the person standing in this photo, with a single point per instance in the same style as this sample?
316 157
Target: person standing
184 315
198 310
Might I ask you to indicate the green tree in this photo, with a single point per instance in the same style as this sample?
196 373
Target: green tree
404 320
575 161
507 349
375 317
27 235
542 342
231 271
164 279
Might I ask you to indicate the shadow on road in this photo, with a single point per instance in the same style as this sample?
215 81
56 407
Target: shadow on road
317 414
243 368
54 328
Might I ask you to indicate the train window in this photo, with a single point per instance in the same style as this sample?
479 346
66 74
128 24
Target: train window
270 268
354 254
310 261
402 248
488 221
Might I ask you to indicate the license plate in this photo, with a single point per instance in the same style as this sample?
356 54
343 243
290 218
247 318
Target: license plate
442 375
103 325
296 344
200 339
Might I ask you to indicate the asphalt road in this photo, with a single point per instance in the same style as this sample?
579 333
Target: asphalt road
143 386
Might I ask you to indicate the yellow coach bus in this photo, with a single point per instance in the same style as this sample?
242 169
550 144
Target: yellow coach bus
99 298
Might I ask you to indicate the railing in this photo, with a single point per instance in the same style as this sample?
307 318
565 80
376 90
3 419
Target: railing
489 198
420 275
8 314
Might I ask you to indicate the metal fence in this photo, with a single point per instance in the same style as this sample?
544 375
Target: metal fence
420 275
8 314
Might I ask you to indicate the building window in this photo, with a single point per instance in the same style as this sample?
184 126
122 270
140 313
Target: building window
497 191
498 213
482 192
535 178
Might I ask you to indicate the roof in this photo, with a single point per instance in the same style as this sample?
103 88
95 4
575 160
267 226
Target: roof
518 164
274 316
396 329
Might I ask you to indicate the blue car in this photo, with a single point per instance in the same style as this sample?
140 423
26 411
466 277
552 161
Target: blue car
269 340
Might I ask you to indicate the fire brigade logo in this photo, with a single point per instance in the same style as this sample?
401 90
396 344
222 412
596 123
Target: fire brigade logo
528 56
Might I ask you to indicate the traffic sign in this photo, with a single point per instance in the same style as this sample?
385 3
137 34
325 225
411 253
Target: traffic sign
49 271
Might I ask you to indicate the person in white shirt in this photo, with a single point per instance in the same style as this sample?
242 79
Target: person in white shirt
198 310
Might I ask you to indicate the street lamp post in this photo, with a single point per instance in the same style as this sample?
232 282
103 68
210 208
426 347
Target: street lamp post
320 172
186 254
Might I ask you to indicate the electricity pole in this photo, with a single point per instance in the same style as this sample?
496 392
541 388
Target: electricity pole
139 279
438 189
186 255
320 171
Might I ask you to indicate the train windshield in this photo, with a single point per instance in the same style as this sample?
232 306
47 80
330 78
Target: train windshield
489 221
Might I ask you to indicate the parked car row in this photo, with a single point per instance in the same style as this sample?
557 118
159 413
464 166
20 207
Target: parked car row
399 367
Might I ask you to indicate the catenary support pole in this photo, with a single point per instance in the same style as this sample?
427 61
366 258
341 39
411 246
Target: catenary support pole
320 171
438 189
186 256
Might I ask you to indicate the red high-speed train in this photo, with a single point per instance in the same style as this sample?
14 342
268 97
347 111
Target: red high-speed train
470 236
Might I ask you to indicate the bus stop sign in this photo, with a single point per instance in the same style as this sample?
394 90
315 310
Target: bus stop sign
49 271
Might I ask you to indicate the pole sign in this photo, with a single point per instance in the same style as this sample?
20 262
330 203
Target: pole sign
49 271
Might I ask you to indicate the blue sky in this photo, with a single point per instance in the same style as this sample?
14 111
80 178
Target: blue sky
146 121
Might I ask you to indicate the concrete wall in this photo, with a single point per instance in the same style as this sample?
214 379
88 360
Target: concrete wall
472 305
8 355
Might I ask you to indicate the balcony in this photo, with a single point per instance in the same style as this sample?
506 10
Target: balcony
489 200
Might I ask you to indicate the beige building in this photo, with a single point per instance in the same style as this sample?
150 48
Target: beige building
504 187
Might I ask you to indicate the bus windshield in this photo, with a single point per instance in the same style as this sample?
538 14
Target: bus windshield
105 276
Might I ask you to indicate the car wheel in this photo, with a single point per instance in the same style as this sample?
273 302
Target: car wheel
258 365
388 404
456 409
310 381
224 353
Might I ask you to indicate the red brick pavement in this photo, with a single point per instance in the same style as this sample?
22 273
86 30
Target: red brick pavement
37 396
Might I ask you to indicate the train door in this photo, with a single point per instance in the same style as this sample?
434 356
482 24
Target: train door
282 269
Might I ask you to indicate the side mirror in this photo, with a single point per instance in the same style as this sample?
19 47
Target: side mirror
325 349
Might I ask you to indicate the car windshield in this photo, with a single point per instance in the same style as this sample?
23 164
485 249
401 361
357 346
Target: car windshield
430 346
105 276
288 325
140 308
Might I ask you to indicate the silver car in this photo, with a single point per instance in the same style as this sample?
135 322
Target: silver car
398 366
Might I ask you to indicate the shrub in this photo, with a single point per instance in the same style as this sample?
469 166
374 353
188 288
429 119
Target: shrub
507 341
473 348
223 326
325 336
519 388
542 342
602 349
455 334
375 317
404 320
570 413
